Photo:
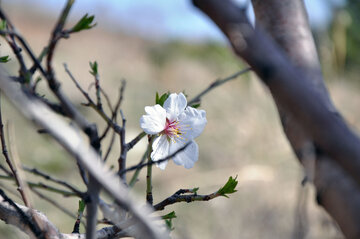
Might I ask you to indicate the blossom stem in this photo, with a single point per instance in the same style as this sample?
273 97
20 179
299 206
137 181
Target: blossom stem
149 196
138 169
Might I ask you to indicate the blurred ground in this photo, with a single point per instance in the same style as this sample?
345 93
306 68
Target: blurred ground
243 136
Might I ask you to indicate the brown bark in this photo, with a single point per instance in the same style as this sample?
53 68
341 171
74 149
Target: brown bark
282 52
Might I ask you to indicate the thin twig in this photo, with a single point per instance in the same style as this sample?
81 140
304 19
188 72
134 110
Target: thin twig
97 91
54 203
133 142
215 84
112 140
149 196
141 165
10 164
12 43
45 187
55 37
83 173
114 116
92 104
123 148
179 197
37 172
135 176
5 170
27 48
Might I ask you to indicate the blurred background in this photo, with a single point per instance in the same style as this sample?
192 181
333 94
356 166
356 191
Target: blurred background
164 46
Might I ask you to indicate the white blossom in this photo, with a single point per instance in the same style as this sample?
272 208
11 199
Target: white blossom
175 124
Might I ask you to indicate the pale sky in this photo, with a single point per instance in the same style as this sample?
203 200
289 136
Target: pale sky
161 19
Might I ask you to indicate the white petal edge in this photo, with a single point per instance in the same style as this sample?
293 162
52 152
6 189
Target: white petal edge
160 149
154 121
188 156
192 122
174 105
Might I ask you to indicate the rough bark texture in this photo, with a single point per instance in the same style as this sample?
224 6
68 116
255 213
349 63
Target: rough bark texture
287 23
282 52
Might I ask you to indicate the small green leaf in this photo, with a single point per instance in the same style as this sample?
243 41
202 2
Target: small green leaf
94 68
3 25
170 215
157 98
229 187
162 99
85 23
4 59
81 206
169 224
195 105
194 190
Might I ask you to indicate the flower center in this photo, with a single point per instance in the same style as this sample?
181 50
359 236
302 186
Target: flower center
172 129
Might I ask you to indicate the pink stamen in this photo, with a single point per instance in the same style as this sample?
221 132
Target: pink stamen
172 128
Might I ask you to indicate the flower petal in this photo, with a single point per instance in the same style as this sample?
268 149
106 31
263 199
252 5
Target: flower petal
188 156
192 122
160 149
174 105
155 119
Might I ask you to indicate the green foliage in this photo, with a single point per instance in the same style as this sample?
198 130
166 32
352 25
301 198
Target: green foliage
81 206
194 190
168 220
229 187
94 68
85 23
196 105
3 25
170 215
160 100
169 224
4 59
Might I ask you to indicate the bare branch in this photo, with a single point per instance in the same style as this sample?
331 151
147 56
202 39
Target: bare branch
10 163
133 142
92 104
179 197
54 203
215 84
299 95
23 218
73 143
141 165
52 179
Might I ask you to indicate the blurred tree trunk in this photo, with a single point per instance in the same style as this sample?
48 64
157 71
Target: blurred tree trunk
282 52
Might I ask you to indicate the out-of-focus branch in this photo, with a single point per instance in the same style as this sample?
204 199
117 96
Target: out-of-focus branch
142 164
53 202
23 219
12 166
135 140
288 85
52 179
74 144
290 80
215 84
93 105
11 216
287 23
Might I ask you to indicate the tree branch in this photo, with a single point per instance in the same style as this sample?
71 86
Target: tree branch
295 89
179 197
73 143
